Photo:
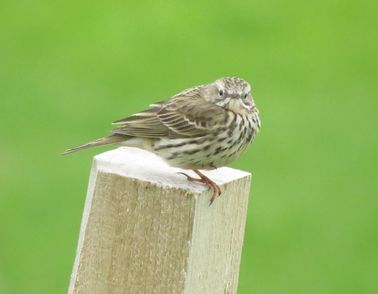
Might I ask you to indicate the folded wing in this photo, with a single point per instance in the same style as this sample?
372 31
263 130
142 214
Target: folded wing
185 115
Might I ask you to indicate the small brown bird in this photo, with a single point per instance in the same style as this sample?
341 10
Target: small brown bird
203 127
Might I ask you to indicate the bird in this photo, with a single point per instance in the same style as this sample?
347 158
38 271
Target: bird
201 128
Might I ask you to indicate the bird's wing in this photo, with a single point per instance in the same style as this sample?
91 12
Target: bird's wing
185 115
191 116
144 124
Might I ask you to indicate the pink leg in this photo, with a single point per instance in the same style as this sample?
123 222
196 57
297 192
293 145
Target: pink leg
208 182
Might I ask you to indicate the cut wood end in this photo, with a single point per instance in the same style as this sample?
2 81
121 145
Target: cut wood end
146 166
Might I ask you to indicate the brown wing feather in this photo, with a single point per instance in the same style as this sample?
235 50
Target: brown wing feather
191 117
186 114
145 124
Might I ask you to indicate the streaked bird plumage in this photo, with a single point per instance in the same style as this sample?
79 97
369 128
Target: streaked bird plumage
203 127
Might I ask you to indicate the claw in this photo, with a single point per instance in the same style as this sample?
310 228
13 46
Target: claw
184 174
216 192
189 178
205 180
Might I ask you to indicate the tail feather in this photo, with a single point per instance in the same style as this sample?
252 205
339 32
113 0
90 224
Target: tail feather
99 142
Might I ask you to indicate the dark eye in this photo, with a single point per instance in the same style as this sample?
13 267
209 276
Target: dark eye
245 96
221 93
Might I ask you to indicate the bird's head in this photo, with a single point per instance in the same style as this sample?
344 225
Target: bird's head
230 93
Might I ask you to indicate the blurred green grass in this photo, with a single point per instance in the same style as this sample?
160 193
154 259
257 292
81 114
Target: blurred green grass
69 68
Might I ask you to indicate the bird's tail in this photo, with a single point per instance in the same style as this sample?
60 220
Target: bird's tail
99 142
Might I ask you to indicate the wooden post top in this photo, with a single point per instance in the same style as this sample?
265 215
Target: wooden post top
142 165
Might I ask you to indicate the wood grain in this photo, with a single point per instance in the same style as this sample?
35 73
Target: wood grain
153 232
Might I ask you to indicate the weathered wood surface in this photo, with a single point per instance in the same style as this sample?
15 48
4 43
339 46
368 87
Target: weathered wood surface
146 229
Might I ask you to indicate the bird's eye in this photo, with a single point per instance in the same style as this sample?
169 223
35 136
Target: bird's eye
221 93
245 96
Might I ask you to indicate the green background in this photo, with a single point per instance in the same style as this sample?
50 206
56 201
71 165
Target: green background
69 68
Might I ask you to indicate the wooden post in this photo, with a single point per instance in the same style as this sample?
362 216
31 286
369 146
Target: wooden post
146 229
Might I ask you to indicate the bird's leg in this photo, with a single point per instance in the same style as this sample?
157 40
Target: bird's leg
211 184
205 180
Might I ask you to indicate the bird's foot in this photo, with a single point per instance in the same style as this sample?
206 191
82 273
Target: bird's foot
205 180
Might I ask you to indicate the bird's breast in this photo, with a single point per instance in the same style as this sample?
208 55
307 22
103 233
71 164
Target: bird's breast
215 149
